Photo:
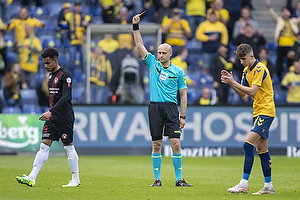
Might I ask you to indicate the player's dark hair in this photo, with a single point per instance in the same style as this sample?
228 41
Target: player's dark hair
50 52
243 50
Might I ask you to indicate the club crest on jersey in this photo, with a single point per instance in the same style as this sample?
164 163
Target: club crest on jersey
64 136
55 80
163 76
69 80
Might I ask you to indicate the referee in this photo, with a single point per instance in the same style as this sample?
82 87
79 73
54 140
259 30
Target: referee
165 81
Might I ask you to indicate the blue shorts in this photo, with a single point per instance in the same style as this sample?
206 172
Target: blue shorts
261 125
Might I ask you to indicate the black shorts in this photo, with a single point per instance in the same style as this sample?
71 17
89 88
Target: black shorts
54 131
163 120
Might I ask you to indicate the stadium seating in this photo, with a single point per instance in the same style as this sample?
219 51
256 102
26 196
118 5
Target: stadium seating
48 30
63 60
11 57
275 80
78 93
45 108
108 93
79 76
147 95
86 10
272 46
233 97
194 46
9 39
49 13
38 12
231 46
55 43
149 40
54 9
94 43
11 110
279 95
39 77
14 10
193 61
193 94
31 108
97 11
29 96
97 20
206 79
1 94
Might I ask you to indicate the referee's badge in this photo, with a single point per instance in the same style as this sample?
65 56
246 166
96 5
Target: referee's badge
163 76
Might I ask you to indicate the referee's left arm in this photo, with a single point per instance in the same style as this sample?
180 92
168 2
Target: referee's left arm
183 105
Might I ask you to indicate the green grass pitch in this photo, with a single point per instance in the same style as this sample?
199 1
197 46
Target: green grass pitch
129 177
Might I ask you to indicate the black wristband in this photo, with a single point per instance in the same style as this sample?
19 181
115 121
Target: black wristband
135 27
183 117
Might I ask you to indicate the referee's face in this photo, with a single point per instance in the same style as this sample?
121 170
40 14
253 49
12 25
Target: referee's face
164 53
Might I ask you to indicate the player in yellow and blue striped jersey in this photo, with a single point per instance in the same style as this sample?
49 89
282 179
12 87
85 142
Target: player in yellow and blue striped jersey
257 83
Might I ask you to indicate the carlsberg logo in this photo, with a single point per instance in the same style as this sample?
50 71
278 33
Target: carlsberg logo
16 137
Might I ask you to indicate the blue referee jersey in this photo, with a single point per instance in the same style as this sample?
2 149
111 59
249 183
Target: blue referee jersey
164 83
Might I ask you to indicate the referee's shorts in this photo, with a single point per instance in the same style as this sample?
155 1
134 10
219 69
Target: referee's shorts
163 120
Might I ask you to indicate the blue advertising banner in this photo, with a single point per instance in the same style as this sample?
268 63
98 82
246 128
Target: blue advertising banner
127 126
209 130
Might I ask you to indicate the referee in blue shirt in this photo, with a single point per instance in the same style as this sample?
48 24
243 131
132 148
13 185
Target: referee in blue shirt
164 119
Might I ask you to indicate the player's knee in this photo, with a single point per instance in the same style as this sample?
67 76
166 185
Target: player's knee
248 147
260 150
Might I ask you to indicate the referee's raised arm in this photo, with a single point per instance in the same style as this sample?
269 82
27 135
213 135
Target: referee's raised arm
137 36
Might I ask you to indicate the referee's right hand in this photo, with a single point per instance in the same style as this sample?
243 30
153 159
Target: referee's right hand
136 19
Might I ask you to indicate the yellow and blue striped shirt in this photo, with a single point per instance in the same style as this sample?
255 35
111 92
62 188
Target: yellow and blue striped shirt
263 101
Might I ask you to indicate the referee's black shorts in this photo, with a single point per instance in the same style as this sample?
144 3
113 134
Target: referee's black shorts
163 120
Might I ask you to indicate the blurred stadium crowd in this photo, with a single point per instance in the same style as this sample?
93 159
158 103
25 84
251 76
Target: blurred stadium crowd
203 34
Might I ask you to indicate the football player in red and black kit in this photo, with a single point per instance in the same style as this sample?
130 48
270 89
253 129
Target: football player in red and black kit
59 120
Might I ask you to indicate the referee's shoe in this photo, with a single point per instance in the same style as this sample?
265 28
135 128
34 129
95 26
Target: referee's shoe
182 183
157 182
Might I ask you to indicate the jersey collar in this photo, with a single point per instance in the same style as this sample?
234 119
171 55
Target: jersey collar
254 64
167 67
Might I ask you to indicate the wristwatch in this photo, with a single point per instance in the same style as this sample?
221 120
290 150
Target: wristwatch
183 117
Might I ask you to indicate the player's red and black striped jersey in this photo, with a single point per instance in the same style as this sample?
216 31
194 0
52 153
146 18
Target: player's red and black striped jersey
60 95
